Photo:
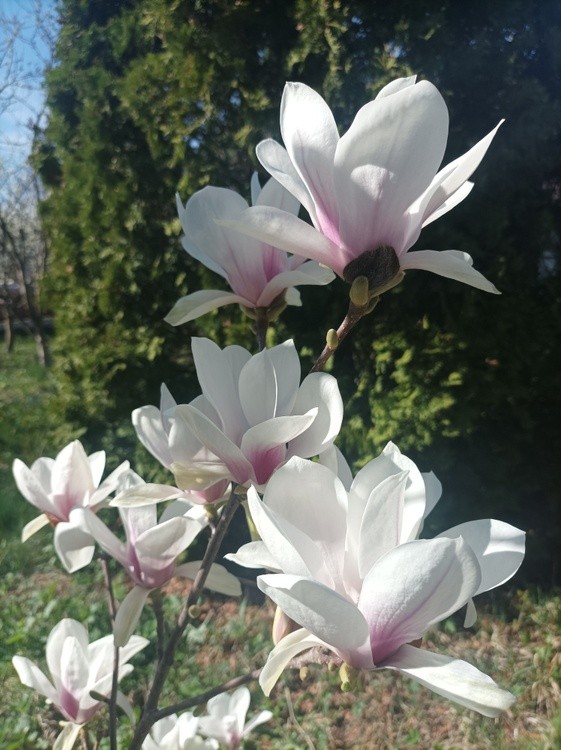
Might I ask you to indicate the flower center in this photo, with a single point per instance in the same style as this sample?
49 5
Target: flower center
380 266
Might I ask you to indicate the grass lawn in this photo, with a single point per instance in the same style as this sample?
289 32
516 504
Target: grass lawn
517 640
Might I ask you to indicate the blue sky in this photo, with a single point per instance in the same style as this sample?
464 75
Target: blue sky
22 101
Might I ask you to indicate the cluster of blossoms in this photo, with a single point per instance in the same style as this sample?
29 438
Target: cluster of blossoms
353 582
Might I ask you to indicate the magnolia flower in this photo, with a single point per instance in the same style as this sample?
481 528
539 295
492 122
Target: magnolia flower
226 718
56 487
77 668
252 416
177 733
352 573
370 192
150 554
259 274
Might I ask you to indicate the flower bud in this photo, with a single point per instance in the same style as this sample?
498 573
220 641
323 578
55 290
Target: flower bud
332 339
194 611
359 291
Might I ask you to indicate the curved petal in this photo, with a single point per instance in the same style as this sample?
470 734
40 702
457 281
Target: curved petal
333 459
239 706
67 738
31 488
322 391
33 526
310 135
122 475
396 85
319 609
147 422
71 476
258 388
167 540
275 194
386 160
453 264
254 555
85 519
283 230
31 676
498 546
309 273
277 162
199 303
452 678
128 614
145 494
74 546
283 653
286 365
412 587
256 720
66 629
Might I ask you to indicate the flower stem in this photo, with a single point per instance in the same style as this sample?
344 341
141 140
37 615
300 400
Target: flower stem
108 581
150 712
260 327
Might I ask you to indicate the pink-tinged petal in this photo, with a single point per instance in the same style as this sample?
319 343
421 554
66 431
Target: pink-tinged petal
274 194
414 586
453 679
310 274
310 135
218 371
228 453
147 421
289 233
67 738
218 578
33 526
283 653
318 390
463 168
453 264
31 676
137 520
315 502
287 544
265 444
31 488
380 529
74 671
386 159
128 614
319 609
204 239
199 303
74 546
277 162
97 466
254 555
498 546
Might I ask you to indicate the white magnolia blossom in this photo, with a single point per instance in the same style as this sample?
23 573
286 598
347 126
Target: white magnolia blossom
177 733
369 192
226 718
57 486
351 572
150 554
78 667
261 276
252 416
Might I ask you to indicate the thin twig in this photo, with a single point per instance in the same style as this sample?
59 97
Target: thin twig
104 562
108 581
260 327
354 314
204 697
294 720
164 665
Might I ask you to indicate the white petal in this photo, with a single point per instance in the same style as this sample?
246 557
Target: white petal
277 162
74 546
101 533
334 460
285 650
122 475
317 608
31 676
33 526
147 421
66 629
256 720
254 555
199 303
67 738
452 678
218 579
31 488
165 541
396 85
71 475
386 160
309 273
283 230
145 494
286 365
97 465
258 388
239 706
322 391
452 264
128 614
471 614
498 546
275 194
310 135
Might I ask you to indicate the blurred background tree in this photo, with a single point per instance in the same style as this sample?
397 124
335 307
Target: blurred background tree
150 97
